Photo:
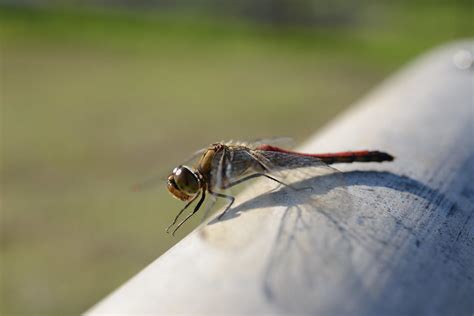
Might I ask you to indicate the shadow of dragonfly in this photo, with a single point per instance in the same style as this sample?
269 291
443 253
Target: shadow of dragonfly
323 230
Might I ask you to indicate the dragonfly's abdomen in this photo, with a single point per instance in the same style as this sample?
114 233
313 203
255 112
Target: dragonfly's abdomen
341 157
355 156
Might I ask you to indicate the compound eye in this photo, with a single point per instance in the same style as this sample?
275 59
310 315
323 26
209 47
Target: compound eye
186 180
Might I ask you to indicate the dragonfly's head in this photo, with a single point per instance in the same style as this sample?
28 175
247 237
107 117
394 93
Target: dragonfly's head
184 183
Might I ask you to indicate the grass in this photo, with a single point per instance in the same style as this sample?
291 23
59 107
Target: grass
94 101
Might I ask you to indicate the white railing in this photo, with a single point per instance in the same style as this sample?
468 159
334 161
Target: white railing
402 245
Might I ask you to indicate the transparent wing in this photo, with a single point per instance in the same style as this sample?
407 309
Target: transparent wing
236 160
317 188
154 180
195 155
297 181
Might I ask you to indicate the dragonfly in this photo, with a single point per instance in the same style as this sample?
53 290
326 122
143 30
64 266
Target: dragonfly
223 165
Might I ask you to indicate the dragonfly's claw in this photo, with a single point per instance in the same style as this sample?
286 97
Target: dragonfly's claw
167 230
276 188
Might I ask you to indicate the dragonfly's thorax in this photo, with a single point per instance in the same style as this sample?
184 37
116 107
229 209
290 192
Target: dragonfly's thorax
221 164
204 165
185 182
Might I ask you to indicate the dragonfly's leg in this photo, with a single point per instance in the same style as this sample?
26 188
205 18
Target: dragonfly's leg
225 196
285 184
208 208
196 208
181 212
256 175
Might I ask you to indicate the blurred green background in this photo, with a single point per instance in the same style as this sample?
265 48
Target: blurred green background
99 95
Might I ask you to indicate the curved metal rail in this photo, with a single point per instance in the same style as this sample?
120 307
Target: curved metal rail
408 247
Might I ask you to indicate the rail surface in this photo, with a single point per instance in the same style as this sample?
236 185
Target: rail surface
398 239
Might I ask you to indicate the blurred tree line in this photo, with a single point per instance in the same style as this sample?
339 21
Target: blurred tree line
272 12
